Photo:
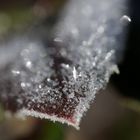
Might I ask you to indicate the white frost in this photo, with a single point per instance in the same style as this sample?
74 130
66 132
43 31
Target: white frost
83 63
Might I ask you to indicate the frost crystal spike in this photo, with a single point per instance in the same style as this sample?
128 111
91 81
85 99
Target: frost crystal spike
59 80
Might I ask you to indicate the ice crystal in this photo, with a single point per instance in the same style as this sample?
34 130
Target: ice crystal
59 80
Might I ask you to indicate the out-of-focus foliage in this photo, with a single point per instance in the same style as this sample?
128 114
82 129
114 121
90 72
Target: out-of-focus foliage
14 19
51 131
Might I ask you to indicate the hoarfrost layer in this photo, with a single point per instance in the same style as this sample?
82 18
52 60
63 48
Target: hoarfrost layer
59 80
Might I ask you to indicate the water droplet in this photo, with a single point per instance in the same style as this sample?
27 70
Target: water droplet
23 85
28 64
125 18
15 72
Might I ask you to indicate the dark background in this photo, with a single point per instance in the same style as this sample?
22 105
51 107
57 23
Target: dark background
128 82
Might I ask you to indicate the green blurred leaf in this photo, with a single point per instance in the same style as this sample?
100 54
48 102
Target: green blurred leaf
52 131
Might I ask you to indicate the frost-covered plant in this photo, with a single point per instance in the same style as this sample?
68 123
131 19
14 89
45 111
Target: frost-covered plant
59 80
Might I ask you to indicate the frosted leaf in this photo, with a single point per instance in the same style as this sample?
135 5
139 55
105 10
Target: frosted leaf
59 80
